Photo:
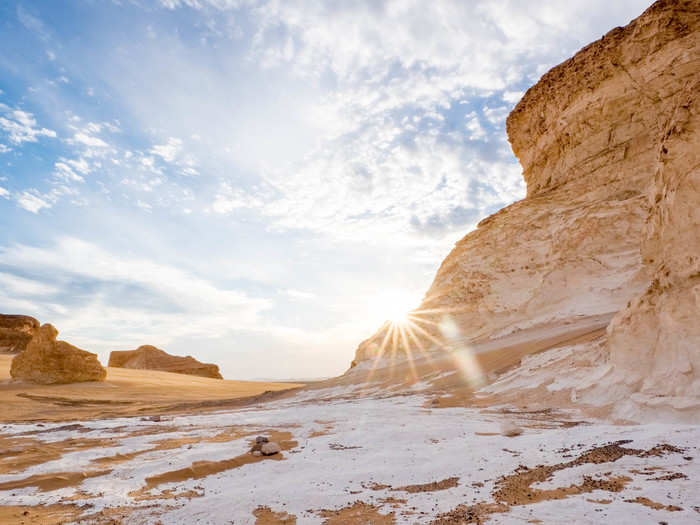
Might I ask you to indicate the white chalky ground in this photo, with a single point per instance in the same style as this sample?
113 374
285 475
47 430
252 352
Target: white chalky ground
386 441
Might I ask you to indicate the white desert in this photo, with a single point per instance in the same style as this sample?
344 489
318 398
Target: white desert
551 373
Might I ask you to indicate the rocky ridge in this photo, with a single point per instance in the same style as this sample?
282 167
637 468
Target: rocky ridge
609 145
149 357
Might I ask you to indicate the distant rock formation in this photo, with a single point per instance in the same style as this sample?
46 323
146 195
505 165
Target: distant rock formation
47 361
16 331
149 357
610 148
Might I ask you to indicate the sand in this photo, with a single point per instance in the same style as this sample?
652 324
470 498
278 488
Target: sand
125 392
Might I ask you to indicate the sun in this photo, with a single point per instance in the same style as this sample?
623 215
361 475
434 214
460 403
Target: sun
393 307
398 316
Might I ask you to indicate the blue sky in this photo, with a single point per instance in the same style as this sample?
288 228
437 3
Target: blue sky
257 183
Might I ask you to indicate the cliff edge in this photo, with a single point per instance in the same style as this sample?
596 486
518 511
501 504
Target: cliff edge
609 146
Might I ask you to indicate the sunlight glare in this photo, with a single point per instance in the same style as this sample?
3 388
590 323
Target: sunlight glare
394 307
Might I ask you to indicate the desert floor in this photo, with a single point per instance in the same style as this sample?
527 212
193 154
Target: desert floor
396 443
124 393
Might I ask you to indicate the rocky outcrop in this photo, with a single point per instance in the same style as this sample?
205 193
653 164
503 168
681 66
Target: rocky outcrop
16 331
149 357
655 341
610 150
47 361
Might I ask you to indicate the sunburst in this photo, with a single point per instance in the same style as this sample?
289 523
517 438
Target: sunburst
414 333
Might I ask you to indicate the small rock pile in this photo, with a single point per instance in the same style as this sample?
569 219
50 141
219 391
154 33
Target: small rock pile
264 447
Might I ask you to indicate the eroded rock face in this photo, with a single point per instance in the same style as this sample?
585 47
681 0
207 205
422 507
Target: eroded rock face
16 331
655 342
610 150
149 357
47 361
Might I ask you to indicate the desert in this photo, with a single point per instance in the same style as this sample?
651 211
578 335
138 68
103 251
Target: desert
549 374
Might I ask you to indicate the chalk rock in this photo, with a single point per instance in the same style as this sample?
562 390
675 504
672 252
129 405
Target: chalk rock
48 361
510 429
270 448
610 226
149 357
16 331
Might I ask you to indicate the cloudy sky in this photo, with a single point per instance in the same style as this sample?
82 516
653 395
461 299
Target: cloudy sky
257 183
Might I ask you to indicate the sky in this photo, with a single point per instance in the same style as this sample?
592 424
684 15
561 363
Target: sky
257 183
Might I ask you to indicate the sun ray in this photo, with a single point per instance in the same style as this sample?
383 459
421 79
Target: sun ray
379 354
394 338
435 340
425 354
409 354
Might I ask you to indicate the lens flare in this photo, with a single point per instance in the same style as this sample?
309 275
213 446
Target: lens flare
409 336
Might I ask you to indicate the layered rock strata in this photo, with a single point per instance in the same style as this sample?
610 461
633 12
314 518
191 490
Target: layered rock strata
16 331
149 357
609 145
47 361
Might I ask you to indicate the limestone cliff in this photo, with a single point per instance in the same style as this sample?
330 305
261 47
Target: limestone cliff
149 357
655 341
609 145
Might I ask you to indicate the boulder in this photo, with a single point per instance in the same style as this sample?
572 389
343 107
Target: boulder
47 361
257 446
264 447
271 448
149 357
16 331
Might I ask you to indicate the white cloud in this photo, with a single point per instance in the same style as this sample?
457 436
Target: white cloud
391 160
168 151
33 201
513 97
4 193
89 140
68 169
19 286
21 126
301 295
229 198
174 303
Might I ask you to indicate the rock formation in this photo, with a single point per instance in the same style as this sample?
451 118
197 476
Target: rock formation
655 340
16 331
609 145
149 357
48 361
